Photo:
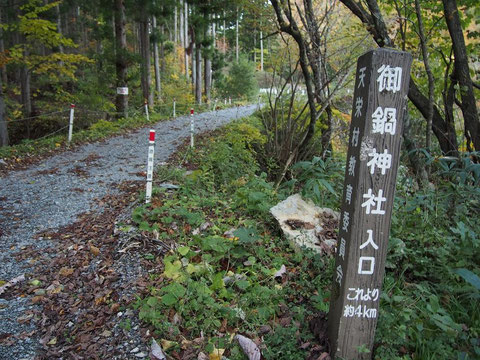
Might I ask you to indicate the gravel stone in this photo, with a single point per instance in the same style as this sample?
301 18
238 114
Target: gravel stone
53 193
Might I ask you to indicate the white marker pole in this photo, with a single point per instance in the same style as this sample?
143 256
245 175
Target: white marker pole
146 111
215 105
174 106
70 125
225 101
151 153
192 127
229 101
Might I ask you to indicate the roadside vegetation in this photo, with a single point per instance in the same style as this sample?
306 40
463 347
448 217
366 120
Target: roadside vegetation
224 274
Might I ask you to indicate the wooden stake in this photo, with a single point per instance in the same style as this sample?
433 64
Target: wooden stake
374 152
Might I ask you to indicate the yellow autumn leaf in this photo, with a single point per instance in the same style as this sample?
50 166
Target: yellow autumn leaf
216 354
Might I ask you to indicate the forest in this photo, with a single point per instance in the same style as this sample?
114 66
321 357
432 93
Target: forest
203 270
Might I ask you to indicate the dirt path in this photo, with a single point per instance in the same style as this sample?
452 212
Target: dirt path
56 228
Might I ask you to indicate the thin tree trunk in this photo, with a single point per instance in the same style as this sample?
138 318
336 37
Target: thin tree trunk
236 37
120 57
146 62
3 68
3 119
417 166
462 73
175 27
194 68
255 48
431 81
25 91
224 34
182 28
158 84
208 72
187 43
198 82
261 50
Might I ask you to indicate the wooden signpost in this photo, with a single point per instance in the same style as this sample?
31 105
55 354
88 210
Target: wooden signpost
373 155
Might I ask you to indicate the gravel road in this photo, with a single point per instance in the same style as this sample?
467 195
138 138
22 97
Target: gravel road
54 192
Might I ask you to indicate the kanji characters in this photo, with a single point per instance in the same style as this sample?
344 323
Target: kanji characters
351 165
341 249
369 241
381 160
346 221
348 193
355 135
374 201
349 311
370 261
390 78
384 121
339 274
361 77
358 106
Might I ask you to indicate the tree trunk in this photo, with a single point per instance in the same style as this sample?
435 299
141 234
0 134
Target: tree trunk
431 80
236 37
175 27
224 34
156 62
462 74
194 68
146 77
208 72
187 43
208 79
3 119
261 50
120 57
182 28
3 68
416 164
198 82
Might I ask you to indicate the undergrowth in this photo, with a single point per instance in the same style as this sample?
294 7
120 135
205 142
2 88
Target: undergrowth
220 278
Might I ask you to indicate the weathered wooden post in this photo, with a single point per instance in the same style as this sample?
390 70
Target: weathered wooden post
373 155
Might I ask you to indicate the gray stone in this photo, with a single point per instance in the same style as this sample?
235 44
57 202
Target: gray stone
301 221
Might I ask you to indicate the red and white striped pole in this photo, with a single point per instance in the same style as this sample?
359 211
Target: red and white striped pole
192 127
151 153
146 110
70 124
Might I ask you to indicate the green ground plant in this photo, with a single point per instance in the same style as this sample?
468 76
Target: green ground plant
219 282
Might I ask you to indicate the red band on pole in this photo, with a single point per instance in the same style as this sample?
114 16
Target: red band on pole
72 106
152 135
191 111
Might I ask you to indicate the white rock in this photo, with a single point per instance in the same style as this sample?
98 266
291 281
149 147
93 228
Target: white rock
307 218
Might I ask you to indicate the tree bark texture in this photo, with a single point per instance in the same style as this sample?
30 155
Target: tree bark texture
462 74
121 65
3 119
146 77
156 62
198 79
3 68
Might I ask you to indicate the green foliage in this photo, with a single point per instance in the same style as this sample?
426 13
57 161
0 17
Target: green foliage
218 278
241 81
319 180
430 305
